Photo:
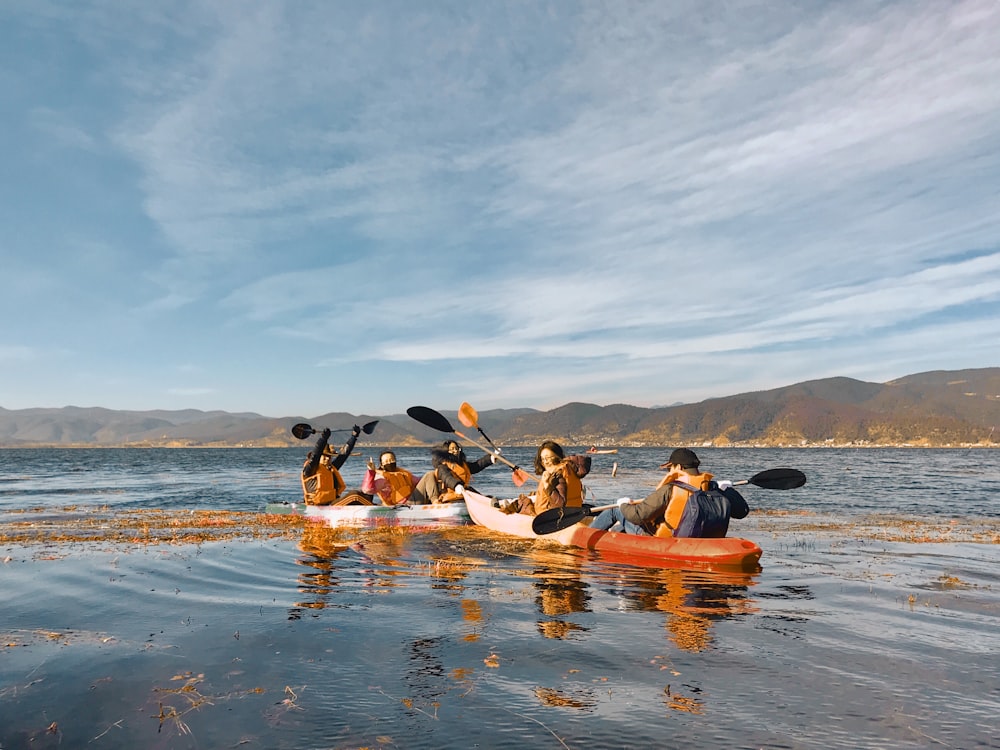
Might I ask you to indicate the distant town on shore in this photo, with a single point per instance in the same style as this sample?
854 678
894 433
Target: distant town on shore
954 408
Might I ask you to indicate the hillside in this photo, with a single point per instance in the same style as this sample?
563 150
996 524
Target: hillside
940 408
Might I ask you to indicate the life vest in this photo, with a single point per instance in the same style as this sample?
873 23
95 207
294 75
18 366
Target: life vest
574 491
397 486
678 500
323 487
460 470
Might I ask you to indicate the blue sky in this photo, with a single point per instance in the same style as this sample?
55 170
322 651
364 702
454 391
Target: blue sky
300 207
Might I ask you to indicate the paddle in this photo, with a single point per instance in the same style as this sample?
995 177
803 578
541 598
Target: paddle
302 430
470 418
437 421
555 519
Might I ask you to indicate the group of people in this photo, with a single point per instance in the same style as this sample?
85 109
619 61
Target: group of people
667 511
322 483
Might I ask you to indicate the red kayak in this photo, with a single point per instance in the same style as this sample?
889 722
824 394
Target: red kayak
729 552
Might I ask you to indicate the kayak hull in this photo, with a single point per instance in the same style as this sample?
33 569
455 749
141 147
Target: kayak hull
729 552
445 514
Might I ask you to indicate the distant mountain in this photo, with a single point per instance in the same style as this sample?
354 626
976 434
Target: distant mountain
939 408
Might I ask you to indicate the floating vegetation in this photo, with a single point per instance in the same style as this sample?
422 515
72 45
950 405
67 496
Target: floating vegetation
190 698
879 527
147 526
563 699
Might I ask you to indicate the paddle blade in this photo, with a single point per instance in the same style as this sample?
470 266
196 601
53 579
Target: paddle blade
302 431
368 428
520 476
430 418
467 415
778 479
556 519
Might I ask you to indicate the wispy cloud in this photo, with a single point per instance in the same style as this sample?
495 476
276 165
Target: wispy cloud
597 202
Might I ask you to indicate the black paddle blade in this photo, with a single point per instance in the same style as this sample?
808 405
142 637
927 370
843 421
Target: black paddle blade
429 417
556 519
302 431
778 479
368 428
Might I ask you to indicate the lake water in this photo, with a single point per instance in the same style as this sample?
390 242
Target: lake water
874 621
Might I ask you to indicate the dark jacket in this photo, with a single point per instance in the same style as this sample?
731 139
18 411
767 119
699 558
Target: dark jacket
440 455
312 462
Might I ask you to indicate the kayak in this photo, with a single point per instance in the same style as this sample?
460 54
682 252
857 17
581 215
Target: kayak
605 450
444 514
729 552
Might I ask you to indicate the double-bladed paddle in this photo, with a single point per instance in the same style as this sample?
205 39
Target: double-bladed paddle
470 418
437 421
302 430
555 519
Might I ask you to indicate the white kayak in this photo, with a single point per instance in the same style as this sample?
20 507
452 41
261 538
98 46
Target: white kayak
444 514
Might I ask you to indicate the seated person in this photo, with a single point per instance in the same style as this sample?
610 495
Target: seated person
452 471
321 480
664 506
559 485
391 483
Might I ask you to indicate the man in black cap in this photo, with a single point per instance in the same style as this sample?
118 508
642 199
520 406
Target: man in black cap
660 513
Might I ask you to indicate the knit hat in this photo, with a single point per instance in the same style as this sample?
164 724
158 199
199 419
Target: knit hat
684 457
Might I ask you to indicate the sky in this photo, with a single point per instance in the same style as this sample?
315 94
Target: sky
295 208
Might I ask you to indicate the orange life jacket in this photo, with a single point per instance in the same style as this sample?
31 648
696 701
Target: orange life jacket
323 487
464 474
678 499
397 487
574 491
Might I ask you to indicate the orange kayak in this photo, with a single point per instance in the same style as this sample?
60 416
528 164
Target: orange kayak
729 552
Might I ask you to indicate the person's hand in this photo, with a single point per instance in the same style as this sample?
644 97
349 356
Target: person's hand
459 489
371 464
326 433
355 430
623 501
725 484
493 458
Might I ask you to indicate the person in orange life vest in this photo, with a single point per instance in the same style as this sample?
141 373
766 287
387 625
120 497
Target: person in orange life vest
321 480
666 503
391 483
452 471
559 486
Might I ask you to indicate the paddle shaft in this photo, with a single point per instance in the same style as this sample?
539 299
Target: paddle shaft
470 418
483 448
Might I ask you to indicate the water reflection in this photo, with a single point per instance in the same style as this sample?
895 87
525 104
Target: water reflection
692 601
559 591
322 546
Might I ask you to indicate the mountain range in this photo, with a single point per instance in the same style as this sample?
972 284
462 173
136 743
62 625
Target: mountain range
930 409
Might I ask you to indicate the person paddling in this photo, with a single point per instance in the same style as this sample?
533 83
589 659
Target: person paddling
452 472
321 480
664 512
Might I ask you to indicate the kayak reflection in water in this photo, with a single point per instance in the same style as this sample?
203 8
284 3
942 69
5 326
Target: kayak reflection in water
560 591
322 546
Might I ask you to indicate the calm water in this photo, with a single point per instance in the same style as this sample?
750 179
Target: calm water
461 639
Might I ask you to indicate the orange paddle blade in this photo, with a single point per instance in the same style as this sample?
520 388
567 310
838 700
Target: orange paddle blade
520 476
467 415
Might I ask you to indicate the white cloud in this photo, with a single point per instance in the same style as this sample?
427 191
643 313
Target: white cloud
606 194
